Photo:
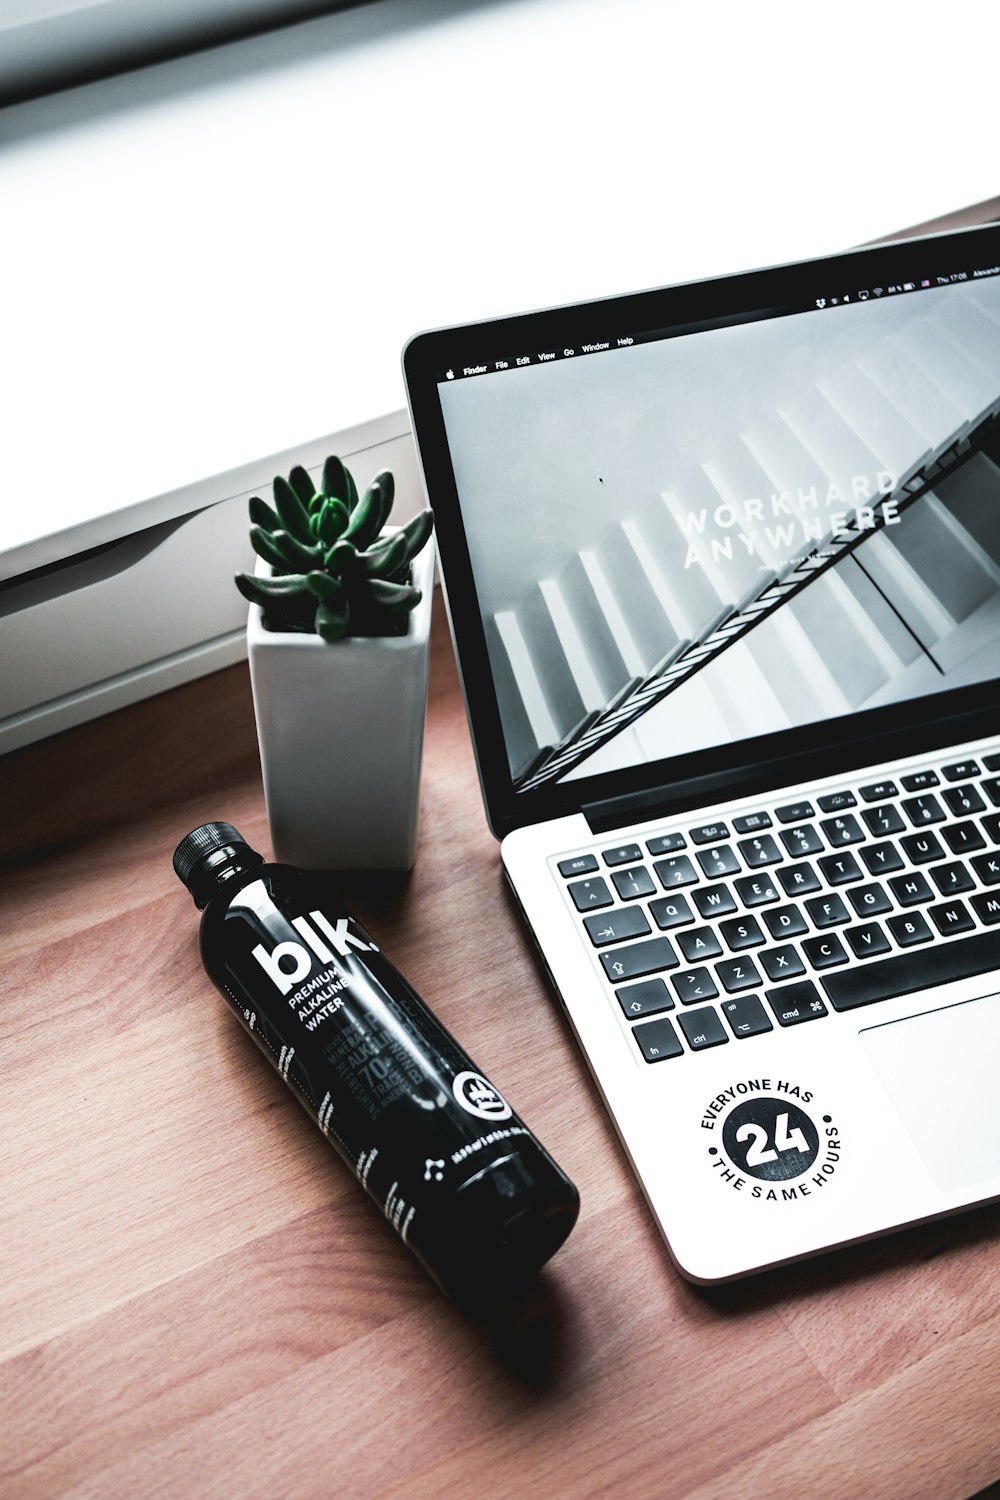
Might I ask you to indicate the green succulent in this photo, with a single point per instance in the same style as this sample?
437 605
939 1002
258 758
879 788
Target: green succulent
333 572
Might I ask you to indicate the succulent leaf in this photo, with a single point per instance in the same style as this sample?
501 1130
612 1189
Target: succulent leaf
292 513
296 555
417 531
371 511
386 557
341 557
331 621
332 519
394 596
329 590
263 590
302 485
261 514
264 545
335 477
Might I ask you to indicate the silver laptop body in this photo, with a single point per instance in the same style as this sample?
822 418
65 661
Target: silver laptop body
722 564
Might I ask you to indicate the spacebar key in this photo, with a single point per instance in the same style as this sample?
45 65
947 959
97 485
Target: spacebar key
920 970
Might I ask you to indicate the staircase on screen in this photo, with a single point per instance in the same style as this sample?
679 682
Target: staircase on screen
587 652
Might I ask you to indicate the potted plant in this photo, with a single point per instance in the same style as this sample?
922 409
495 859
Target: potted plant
338 639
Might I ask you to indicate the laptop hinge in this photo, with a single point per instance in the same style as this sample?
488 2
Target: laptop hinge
783 770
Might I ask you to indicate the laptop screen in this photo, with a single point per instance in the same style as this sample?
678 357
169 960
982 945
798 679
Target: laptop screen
723 514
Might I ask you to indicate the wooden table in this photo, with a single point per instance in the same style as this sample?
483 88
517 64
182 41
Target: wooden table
198 1301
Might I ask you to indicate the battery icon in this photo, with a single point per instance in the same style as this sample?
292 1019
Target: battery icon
909 286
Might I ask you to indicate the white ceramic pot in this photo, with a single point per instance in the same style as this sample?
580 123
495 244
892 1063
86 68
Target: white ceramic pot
340 725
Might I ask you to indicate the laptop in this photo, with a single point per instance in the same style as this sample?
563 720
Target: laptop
722 565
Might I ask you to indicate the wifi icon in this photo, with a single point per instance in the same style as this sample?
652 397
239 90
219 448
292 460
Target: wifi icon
877 290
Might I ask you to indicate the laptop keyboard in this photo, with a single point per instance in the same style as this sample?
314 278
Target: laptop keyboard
720 931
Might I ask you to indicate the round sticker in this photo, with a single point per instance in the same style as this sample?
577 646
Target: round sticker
770 1138
476 1095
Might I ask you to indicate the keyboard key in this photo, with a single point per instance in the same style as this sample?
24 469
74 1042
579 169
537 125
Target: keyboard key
987 907
987 867
718 861
879 791
657 1040
781 963
992 826
841 831
666 843
671 911
992 790
827 911
962 801
633 883
920 781
645 999
746 1016
694 985
795 812
785 922
752 822
796 1002
921 848
910 890
963 838
961 771
702 1028
616 926
992 762
756 890
709 833
759 852
639 959
952 878
738 974
799 880
906 972
880 859
714 901
867 940
951 916
741 932
909 929
699 943
824 952
883 820
588 894
676 871
625 854
869 900
801 840
837 802
840 869
923 810
580 864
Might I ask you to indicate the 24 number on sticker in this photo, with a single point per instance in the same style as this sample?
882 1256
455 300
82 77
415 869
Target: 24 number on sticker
760 1150
770 1138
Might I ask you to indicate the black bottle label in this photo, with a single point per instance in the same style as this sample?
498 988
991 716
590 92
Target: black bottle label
386 1083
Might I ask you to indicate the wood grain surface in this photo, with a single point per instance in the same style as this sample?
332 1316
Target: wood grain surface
196 1300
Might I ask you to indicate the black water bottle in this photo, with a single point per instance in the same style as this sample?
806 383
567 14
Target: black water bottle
463 1182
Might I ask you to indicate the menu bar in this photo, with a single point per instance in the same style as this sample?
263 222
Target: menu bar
826 299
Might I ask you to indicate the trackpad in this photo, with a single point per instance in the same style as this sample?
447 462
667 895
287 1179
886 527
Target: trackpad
941 1070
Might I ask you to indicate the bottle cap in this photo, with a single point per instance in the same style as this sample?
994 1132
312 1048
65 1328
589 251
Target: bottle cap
200 856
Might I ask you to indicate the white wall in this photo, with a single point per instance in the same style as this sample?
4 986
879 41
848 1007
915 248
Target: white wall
215 259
